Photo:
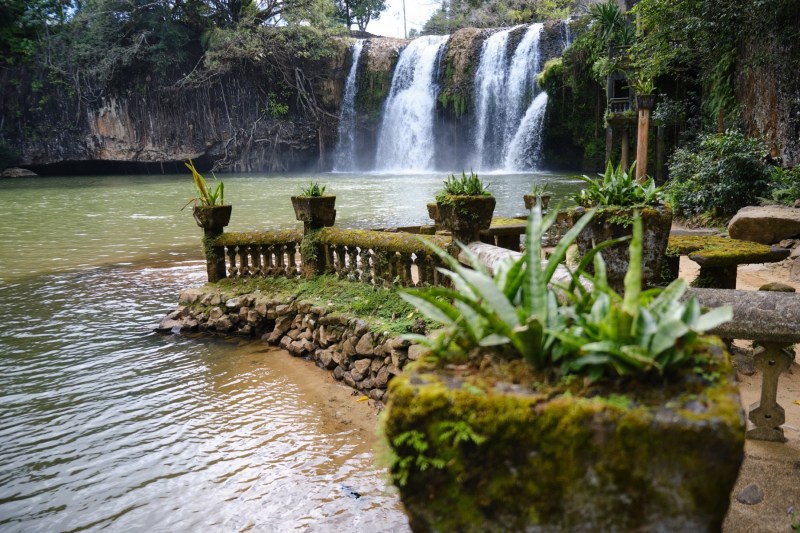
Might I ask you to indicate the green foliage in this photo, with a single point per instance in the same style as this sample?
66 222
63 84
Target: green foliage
464 186
519 312
719 176
538 189
608 19
458 14
359 12
313 190
785 185
508 311
618 188
205 195
8 156
415 444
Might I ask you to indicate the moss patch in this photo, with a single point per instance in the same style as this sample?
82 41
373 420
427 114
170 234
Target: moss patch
460 61
260 237
367 239
381 308
714 251
544 455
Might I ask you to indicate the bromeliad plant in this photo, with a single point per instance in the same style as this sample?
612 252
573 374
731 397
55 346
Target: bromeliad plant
464 186
618 188
564 327
313 190
205 195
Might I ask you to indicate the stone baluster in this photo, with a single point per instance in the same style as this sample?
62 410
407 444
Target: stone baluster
255 260
406 276
341 267
230 251
352 263
327 250
294 268
268 265
280 262
244 267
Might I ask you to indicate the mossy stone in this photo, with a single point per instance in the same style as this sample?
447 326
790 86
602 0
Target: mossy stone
471 458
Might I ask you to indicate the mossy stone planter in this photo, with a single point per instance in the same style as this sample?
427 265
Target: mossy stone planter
212 217
315 211
614 222
476 457
534 199
466 216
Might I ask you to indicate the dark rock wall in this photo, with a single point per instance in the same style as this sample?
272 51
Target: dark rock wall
768 92
234 122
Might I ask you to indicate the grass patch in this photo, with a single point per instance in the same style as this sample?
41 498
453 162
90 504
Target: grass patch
381 308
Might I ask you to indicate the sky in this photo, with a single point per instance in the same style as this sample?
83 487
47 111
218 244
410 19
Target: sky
390 23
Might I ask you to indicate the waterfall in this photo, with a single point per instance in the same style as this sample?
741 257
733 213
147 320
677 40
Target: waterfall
406 141
503 89
344 154
490 99
525 148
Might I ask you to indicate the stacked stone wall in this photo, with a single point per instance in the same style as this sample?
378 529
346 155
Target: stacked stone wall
357 355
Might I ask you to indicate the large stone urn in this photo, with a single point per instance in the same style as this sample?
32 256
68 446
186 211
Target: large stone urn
212 217
474 453
614 222
315 212
466 216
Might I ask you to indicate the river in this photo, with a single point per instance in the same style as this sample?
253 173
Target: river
107 425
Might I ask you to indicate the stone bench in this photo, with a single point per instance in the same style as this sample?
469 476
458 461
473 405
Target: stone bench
718 257
505 232
771 319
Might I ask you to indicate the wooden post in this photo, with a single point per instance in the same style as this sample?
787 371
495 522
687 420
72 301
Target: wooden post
625 148
641 144
645 103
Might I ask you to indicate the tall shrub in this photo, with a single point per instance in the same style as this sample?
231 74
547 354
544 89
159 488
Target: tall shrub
721 174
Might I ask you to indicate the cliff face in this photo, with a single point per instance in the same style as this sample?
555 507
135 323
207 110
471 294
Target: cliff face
240 122
768 90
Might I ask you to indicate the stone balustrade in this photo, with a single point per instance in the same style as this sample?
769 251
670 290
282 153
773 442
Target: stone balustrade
379 257
260 253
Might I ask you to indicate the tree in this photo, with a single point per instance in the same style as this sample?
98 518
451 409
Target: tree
359 11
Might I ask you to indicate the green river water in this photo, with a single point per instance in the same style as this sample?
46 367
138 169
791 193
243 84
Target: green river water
109 426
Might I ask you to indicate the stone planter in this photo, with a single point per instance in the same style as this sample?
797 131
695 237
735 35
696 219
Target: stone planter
614 222
531 200
216 217
645 101
315 211
471 456
466 216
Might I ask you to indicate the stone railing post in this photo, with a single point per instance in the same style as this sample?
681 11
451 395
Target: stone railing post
213 220
315 212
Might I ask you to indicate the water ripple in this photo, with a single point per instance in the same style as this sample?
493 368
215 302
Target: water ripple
107 425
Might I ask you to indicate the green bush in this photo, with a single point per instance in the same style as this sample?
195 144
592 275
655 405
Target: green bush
722 174
786 185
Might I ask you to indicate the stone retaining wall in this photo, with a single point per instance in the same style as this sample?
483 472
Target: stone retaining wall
361 358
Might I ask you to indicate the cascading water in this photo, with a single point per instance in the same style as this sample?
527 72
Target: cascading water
525 148
490 99
344 154
406 141
502 88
